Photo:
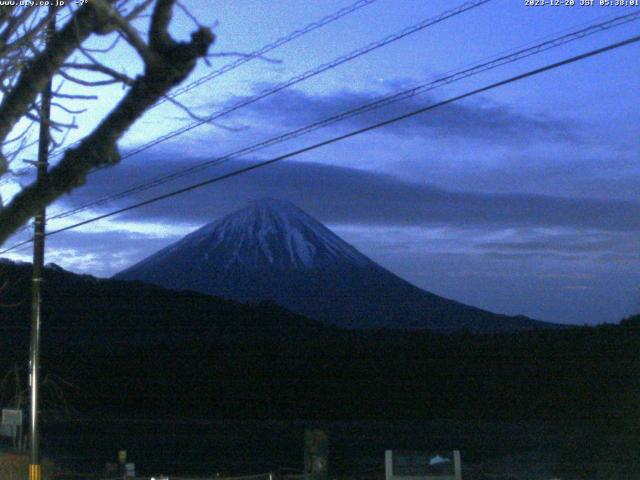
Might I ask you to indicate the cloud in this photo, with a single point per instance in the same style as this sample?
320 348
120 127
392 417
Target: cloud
343 195
427 234
477 119
510 250
469 265
100 253
573 242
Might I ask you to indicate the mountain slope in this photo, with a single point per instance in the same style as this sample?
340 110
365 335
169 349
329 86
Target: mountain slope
273 250
85 312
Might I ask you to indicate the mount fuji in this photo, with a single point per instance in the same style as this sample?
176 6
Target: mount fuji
273 251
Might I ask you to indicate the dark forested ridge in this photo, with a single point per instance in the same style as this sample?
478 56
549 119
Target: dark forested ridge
134 348
222 356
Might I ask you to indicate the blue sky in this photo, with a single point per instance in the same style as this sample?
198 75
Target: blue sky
523 200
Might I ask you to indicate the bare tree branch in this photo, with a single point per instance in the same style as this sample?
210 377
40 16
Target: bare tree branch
87 83
100 68
67 109
34 77
126 29
167 63
74 96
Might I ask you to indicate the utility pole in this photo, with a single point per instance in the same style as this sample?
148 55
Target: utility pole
35 469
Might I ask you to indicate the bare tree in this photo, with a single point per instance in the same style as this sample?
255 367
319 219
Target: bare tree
28 63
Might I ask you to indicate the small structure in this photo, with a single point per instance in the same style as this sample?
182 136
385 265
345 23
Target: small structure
129 470
423 465
316 453
11 425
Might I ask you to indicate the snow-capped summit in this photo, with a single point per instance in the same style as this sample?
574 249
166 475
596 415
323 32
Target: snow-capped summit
272 250
270 233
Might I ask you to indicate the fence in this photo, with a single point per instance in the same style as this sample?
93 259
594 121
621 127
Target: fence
264 476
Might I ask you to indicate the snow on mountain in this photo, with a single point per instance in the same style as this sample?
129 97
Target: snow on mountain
266 233
272 250
269 224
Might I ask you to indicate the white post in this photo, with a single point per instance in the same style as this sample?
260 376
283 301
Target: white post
388 464
457 465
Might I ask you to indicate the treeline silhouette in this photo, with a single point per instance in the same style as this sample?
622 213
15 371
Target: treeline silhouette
143 351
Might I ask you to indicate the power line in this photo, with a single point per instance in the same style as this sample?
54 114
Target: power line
381 102
353 133
253 55
269 47
328 19
313 72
